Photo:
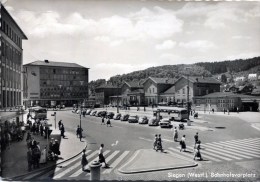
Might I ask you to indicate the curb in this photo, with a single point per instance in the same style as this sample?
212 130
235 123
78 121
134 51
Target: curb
39 170
153 170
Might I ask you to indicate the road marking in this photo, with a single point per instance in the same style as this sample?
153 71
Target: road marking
224 150
255 151
116 162
241 150
191 154
79 171
32 175
223 154
168 140
212 154
73 167
145 139
245 141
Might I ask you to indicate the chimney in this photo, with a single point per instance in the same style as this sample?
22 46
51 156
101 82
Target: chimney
46 61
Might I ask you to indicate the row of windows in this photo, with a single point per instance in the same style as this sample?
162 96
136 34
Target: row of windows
10 53
64 95
11 79
58 90
63 71
6 28
226 105
48 83
62 77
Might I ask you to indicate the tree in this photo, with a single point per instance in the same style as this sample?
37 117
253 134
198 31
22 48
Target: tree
223 78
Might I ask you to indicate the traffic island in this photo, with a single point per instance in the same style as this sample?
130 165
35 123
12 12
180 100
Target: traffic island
148 160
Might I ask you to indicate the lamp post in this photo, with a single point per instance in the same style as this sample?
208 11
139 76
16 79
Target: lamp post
188 93
80 136
60 95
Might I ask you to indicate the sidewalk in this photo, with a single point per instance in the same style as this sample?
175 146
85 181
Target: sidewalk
15 158
147 160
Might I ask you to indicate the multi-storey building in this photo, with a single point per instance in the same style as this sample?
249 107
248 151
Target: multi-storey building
11 54
198 86
52 83
154 87
103 93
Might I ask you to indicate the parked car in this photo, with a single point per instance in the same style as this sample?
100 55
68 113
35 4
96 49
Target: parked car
88 111
165 122
117 116
110 115
133 119
101 114
78 111
153 121
124 117
143 120
93 113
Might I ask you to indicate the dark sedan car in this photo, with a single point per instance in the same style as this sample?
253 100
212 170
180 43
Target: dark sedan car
124 117
117 116
101 114
110 115
153 122
133 119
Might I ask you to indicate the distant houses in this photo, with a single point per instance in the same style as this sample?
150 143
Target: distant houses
205 93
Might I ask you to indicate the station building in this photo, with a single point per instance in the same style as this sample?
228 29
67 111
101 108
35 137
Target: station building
49 83
11 54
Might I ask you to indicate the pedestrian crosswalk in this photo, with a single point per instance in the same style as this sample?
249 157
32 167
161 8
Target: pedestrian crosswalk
72 169
226 150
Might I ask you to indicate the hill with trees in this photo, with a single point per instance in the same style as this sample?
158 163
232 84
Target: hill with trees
240 67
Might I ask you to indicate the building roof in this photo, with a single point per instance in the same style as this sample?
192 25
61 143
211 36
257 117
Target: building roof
134 84
106 86
256 91
136 91
52 63
199 79
163 80
222 94
23 34
171 90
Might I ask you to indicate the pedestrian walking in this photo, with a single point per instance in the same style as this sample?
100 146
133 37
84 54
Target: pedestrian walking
29 159
175 134
213 110
109 122
59 123
183 144
155 141
84 160
103 121
228 111
41 130
197 151
196 139
43 158
62 131
237 110
101 156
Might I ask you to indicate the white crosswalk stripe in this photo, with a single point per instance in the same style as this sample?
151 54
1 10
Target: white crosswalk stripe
192 155
228 150
245 152
116 162
73 167
79 171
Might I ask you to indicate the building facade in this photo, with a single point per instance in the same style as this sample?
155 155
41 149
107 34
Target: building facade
49 83
226 100
11 61
104 92
198 86
132 93
154 87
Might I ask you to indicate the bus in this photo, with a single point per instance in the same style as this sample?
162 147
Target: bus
176 113
38 112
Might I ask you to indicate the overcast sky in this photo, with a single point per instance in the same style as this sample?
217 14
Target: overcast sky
115 37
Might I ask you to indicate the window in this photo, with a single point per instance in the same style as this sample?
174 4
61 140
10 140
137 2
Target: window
153 90
54 71
183 91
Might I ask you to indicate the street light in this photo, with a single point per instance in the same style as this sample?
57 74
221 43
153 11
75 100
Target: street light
188 93
60 95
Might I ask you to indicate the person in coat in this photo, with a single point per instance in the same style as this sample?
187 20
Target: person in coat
101 156
183 144
29 159
84 160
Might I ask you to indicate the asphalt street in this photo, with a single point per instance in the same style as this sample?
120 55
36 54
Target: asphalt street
125 138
